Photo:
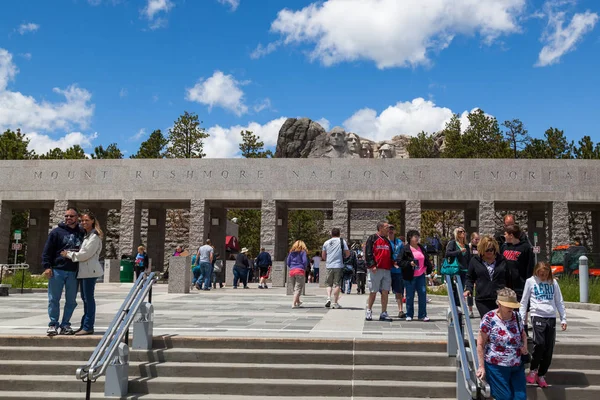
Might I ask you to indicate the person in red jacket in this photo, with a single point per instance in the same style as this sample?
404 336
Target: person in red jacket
379 259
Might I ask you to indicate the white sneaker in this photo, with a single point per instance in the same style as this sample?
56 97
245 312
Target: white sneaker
369 315
336 306
408 318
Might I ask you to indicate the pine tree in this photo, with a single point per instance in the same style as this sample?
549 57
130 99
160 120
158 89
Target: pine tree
186 137
516 135
13 146
112 151
422 146
253 147
154 147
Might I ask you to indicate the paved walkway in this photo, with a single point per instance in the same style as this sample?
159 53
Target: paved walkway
260 313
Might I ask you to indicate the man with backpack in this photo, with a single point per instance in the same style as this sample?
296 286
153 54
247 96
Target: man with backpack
334 251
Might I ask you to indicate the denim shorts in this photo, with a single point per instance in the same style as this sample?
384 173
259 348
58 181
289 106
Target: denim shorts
397 284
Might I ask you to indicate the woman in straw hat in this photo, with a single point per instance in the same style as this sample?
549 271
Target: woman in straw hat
501 342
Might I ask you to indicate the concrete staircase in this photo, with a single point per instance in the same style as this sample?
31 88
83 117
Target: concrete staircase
248 369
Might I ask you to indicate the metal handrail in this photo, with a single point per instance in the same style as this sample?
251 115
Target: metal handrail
462 353
116 331
482 384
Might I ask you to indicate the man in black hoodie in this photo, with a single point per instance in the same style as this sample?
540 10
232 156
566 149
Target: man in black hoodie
509 219
62 272
519 257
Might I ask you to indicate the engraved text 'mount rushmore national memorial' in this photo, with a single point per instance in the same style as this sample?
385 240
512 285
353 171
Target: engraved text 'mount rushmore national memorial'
305 138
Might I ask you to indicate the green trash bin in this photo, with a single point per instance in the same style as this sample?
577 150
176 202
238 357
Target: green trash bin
126 274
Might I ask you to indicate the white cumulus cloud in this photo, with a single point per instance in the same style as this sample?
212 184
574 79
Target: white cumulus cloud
403 118
27 28
154 12
41 143
391 33
559 39
220 90
232 3
224 142
19 111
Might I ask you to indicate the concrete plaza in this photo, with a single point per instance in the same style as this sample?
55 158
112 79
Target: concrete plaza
262 313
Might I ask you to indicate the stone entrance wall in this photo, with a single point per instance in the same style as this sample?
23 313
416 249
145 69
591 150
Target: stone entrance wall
203 189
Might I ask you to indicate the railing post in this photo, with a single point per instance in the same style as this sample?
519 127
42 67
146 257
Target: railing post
143 326
584 278
451 345
117 373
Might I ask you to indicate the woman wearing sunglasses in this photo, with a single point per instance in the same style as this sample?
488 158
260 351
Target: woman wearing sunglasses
487 273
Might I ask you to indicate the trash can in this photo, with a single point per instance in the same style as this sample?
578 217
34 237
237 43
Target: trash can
126 269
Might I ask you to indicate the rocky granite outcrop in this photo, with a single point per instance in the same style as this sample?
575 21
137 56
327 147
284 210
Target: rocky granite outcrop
305 138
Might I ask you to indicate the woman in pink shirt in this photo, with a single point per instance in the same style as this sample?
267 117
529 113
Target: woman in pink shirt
415 265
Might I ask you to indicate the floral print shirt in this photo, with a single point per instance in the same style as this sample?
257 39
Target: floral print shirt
504 345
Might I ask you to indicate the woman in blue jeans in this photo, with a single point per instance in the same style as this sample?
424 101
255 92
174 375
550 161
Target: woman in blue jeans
89 269
415 265
501 342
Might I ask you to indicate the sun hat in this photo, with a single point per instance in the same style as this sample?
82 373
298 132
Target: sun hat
509 301
244 250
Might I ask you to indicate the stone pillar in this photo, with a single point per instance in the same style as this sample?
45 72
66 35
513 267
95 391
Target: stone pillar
341 217
36 238
156 237
129 227
199 223
217 237
470 215
281 232
560 223
57 214
533 216
279 274
595 231
112 271
412 215
487 215
5 233
268 222
180 274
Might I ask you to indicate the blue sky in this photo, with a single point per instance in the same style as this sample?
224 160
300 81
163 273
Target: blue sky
94 72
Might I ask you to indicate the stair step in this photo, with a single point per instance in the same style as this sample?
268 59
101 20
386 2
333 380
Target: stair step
227 386
575 362
12 395
242 370
555 392
279 356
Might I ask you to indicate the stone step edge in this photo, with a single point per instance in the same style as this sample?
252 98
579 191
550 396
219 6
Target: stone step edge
75 395
232 350
238 381
188 364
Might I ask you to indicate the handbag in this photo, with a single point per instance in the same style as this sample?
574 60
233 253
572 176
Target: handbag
525 358
450 267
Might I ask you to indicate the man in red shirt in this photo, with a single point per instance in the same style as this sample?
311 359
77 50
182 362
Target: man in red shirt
379 259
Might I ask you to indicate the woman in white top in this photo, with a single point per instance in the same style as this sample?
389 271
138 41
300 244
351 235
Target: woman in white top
89 269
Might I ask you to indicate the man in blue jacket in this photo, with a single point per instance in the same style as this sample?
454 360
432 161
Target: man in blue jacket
62 272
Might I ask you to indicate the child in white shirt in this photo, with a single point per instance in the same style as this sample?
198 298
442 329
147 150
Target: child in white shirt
544 297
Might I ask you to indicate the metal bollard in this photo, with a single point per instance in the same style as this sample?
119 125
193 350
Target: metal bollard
142 327
584 279
117 373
